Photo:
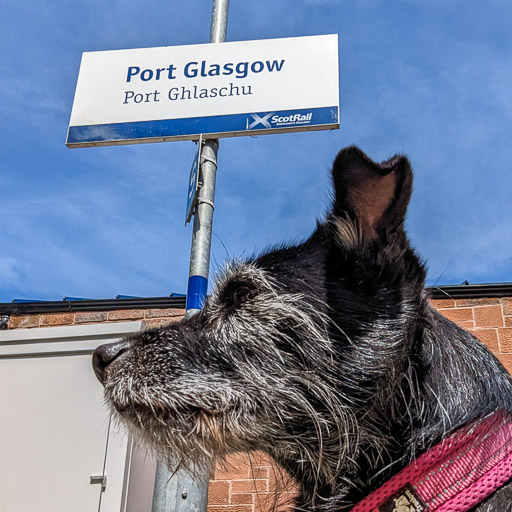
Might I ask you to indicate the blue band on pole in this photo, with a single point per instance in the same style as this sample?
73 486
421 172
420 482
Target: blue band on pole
197 287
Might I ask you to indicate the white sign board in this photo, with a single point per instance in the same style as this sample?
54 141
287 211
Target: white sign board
219 90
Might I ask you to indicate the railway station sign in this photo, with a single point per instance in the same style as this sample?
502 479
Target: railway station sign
193 182
218 90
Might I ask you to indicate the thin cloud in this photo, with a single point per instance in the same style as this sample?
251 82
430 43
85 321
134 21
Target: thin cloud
110 220
9 275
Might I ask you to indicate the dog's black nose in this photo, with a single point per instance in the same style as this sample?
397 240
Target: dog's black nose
105 354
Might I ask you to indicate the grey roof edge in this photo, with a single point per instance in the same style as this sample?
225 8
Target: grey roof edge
27 308
470 291
463 291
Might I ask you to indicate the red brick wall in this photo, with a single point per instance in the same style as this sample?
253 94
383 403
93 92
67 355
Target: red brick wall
150 317
490 320
251 483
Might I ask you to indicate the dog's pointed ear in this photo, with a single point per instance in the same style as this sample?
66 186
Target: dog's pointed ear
374 196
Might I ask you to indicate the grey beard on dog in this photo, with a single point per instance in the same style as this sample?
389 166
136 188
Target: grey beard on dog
327 355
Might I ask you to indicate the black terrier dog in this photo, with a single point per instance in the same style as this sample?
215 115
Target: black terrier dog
328 356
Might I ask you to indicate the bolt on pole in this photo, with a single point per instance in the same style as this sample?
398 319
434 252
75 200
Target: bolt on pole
177 492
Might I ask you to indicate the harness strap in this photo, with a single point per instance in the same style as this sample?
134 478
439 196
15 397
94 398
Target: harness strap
453 476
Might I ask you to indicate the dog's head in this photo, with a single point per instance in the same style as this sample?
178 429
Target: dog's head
295 351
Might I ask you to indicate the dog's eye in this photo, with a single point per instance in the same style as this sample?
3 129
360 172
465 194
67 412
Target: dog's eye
236 293
241 294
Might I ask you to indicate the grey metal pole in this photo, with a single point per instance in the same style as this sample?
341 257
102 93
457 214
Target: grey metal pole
203 218
179 492
219 25
202 233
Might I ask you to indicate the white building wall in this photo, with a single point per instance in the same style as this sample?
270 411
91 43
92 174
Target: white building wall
54 426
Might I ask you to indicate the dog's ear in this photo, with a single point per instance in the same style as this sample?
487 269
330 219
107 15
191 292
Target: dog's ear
373 196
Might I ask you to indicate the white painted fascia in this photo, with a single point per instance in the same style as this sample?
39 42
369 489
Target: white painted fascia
66 340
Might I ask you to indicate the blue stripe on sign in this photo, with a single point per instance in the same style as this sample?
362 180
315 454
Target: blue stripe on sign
188 127
197 287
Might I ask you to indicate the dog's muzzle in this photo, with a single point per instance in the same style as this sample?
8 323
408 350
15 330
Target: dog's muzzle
104 355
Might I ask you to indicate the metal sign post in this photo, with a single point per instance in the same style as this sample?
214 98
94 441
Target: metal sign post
202 233
176 492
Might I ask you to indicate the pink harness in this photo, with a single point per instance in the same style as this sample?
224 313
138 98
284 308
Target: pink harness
453 476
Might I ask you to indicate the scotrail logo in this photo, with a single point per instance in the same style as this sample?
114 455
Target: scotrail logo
273 120
257 120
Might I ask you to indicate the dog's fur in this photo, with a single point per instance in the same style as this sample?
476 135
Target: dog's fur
327 355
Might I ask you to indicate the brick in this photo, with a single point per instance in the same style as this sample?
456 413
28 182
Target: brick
235 468
508 321
230 508
274 502
24 322
242 499
125 314
259 472
168 312
57 319
458 314
505 340
258 458
245 486
158 323
90 316
506 361
443 303
507 305
237 473
488 316
467 326
489 337
218 493
477 302
280 481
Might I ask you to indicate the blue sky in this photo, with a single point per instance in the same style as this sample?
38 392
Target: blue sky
428 78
